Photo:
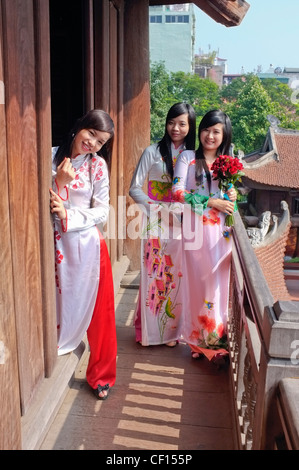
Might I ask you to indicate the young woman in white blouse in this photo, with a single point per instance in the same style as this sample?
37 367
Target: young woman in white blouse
79 201
158 317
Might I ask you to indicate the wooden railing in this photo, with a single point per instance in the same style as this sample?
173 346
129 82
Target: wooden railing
264 349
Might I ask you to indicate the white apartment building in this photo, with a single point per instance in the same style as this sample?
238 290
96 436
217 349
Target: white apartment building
172 36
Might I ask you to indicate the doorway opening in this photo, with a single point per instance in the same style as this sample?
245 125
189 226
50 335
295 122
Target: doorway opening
67 65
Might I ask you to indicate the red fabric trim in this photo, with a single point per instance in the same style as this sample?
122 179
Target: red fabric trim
64 223
67 191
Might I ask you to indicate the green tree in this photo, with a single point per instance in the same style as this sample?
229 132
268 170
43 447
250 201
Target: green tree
168 88
205 59
248 101
161 99
283 108
231 92
248 113
201 93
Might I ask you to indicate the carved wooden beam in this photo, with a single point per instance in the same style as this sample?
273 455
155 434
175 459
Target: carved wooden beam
227 12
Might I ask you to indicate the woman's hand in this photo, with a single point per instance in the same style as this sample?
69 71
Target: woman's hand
232 194
65 173
223 205
57 206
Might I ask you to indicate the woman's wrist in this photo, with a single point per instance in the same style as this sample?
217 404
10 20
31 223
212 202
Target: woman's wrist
211 202
63 215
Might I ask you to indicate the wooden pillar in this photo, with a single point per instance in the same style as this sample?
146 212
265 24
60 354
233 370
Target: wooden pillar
10 418
28 137
108 21
89 54
136 101
44 144
101 45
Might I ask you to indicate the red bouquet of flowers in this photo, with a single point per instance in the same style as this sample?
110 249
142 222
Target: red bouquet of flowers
227 170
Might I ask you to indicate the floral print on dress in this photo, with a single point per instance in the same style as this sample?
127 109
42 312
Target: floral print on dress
226 235
207 333
211 217
206 294
159 191
97 168
58 259
162 291
88 168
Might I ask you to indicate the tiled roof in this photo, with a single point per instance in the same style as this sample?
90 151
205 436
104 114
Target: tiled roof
271 258
283 171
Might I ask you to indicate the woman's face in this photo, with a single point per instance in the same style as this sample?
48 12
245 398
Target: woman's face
211 137
178 128
89 141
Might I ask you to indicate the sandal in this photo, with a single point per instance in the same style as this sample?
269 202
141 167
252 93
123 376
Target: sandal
101 389
172 344
196 355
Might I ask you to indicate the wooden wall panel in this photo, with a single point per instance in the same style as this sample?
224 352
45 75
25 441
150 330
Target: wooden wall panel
113 109
101 45
89 55
44 144
10 418
136 101
101 68
22 145
108 16
121 222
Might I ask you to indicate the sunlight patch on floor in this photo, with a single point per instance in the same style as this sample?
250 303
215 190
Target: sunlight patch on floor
169 391
133 443
152 410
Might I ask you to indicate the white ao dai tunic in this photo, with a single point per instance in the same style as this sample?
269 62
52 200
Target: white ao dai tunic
77 247
159 303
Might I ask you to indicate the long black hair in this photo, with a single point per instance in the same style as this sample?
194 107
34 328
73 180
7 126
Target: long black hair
213 117
164 144
95 119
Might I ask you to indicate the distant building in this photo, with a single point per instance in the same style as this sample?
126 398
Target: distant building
215 71
287 75
228 78
172 36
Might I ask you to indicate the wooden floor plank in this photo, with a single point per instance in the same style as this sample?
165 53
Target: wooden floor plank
162 400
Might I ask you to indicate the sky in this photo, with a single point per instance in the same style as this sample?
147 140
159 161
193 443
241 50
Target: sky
267 35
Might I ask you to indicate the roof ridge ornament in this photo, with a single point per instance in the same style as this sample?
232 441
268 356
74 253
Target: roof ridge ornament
274 121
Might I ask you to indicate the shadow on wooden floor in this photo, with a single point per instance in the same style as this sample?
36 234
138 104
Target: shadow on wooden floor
162 400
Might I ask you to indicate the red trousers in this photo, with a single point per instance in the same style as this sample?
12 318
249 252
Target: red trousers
101 333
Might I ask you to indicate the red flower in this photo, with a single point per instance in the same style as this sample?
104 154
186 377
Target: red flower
228 170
